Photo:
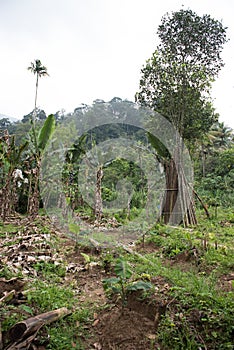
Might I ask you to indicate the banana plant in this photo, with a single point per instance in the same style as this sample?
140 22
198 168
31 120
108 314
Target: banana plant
122 283
39 141
10 157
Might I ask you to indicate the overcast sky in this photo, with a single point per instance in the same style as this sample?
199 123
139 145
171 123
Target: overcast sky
92 49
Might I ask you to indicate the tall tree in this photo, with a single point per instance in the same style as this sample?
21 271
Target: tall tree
40 71
176 82
38 142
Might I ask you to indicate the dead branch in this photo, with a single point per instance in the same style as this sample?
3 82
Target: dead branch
7 297
203 205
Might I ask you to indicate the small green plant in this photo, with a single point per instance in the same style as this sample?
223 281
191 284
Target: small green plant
6 273
66 334
49 270
122 284
107 260
9 316
50 296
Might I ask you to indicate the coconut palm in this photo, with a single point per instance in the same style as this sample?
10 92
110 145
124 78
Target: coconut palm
40 71
221 135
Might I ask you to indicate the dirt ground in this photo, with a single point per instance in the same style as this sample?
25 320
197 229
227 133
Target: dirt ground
132 327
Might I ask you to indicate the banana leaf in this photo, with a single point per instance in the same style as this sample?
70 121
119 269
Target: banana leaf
46 132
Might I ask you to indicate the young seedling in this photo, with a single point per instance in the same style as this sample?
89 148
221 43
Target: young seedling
122 284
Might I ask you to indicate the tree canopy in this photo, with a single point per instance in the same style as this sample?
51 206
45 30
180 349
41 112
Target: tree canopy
176 80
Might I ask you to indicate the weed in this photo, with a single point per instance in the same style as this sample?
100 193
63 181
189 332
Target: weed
8 229
50 270
65 334
6 273
9 315
48 297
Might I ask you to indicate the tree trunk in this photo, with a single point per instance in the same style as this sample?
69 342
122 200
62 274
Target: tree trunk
35 105
34 195
203 157
187 201
178 206
98 195
171 192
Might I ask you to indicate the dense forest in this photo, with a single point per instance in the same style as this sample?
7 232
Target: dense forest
212 157
116 220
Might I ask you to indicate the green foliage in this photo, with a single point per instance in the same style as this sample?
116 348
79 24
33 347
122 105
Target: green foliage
122 284
51 296
216 188
63 337
193 39
11 319
122 270
46 132
220 162
74 228
10 156
176 79
67 334
6 273
49 270
203 312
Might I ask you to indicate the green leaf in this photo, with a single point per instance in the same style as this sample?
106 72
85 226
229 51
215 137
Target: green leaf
110 283
86 257
122 269
140 285
46 132
116 290
74 228
111 280
27 309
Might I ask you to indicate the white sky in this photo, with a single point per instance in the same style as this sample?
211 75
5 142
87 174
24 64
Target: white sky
92 49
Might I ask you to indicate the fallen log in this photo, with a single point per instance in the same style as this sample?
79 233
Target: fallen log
24 328
24 344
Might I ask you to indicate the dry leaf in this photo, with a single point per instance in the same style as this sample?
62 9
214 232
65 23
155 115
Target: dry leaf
151 336
95 322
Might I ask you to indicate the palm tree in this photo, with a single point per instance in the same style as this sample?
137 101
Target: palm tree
222 135
38 143
40 71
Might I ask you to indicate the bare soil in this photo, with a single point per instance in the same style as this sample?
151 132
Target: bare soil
113 327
